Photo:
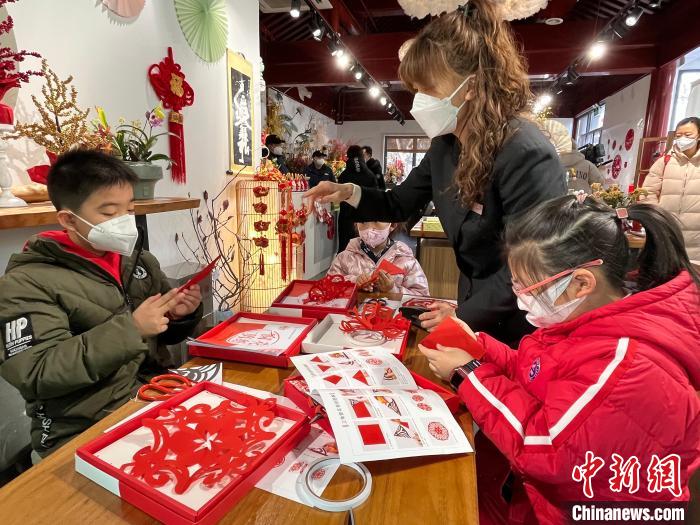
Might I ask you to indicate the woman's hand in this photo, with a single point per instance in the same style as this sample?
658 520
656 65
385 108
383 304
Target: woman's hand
445 359
385 284
438 312
327 191
189 302
363 282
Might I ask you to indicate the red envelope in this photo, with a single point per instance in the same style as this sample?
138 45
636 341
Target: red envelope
450 333
201 275
389 268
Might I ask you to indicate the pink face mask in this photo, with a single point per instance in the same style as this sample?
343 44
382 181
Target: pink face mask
374 237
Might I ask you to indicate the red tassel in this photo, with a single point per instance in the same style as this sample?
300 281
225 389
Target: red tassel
262 263
283 258
303 259
177 147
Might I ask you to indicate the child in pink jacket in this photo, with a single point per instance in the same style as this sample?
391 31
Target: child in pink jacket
374 245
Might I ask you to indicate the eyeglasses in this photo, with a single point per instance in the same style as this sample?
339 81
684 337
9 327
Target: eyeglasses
521 291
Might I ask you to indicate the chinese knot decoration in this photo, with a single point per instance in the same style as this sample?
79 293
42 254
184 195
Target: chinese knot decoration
329 288
202 443
169 83
376 317
324 216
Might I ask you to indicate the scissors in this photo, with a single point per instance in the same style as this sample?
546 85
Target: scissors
163 387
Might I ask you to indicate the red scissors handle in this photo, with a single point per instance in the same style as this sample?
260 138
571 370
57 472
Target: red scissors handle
163 387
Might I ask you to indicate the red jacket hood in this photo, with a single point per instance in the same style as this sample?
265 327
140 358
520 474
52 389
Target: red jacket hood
666 317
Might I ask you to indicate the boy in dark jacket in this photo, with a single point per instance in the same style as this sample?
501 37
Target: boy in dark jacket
82 310
318 170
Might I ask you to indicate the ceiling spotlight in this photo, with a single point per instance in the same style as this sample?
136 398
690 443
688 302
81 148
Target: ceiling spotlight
358 74
336 48
633 16
295 10
343 60
619 28
571 76
318 30
389 105
597 50
382 101
374 92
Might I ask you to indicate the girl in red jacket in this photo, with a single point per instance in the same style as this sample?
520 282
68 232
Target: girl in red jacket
600 403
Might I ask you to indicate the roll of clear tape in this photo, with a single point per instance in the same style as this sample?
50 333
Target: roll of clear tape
307 494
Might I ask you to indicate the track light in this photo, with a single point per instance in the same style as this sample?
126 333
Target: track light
295 10
597 50
571 76
318 30
374 92
358 74
336 48
382 101
389 105
343 60
619 28
633 16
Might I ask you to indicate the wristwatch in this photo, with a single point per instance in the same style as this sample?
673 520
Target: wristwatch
460 373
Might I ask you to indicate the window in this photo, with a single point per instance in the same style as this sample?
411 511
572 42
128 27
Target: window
404 152
589 126
685 84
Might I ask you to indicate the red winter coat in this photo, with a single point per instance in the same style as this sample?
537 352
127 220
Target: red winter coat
620 379
353 262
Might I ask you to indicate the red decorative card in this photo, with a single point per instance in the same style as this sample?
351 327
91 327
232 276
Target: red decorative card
450 333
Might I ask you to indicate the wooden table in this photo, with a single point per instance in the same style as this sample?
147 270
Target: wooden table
405 491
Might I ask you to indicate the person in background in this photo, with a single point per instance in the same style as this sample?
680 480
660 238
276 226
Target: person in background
673 183
274 144
355 172
374 245
581 172
318 170
374 166
611 371
82 310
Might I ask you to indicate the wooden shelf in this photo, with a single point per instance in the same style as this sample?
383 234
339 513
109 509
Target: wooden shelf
41 213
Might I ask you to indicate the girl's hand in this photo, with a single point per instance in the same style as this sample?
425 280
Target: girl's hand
363 282
191 297
445 359
385 284
438 312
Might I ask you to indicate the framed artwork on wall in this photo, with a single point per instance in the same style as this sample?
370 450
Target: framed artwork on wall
241 124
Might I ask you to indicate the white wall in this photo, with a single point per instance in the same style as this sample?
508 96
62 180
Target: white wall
371 133
624 111
109 59
303 117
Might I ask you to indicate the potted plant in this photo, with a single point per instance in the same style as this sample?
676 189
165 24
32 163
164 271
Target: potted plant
134 144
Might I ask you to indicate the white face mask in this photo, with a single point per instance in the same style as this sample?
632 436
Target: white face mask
277 150
319 162
685 143
541 310
436 116
117 235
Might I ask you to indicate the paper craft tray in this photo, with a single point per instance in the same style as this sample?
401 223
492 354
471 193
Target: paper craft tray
312 311
243 356
311 343
165 508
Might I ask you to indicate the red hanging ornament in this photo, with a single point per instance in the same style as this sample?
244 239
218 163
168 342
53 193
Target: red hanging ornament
168 82
260 207
261 191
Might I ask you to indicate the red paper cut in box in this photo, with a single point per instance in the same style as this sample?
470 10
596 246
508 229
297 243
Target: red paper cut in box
237 339
153 463
450 333
293 297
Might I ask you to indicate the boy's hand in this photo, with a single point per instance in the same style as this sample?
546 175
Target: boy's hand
385 283
189 302
438 311
150 318
363 282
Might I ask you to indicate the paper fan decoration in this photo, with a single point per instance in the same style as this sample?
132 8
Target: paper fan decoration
125 8
205 26
511 9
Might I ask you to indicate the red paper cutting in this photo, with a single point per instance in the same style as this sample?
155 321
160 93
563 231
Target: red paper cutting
200 275
377 318
324 368
202 443
360 376
360 408
450 333
372 434
329 288
387 267
334 379
317 360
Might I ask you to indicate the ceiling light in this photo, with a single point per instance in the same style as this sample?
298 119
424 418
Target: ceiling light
318 30
571 76
383 101
358 74
597 50
295 10
374 92
633 16
619 28
343 60
554 21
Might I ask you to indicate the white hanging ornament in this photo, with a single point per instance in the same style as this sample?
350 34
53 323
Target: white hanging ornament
510 9
519 9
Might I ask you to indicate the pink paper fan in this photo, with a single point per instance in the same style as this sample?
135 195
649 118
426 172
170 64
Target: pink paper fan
125 8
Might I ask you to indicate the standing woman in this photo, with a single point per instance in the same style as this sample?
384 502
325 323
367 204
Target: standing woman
355 172
485 165
673 183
